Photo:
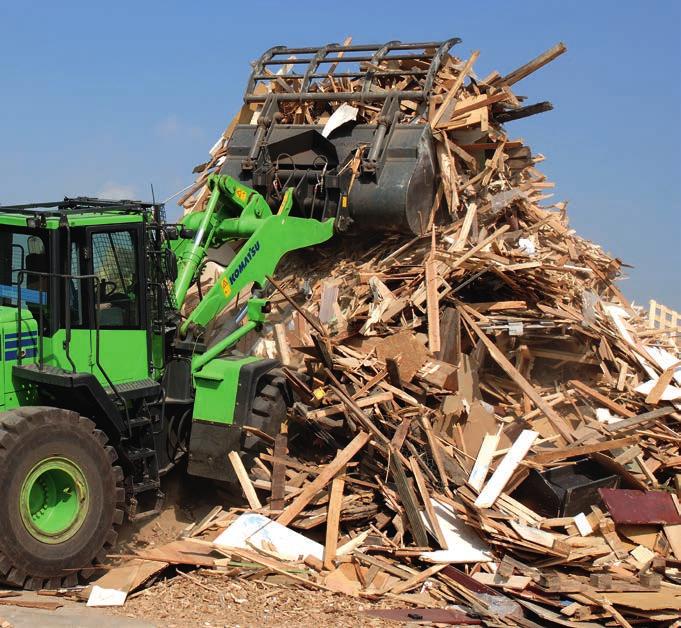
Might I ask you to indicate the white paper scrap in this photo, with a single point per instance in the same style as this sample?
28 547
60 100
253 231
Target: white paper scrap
99 596
254 530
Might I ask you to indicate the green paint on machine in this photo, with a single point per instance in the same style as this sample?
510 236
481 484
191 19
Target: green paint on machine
216 389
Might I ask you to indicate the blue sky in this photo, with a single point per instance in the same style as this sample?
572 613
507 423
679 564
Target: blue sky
106 98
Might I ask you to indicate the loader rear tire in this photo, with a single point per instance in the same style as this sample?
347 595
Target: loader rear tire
62 499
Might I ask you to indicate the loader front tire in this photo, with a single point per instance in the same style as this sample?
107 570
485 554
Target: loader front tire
62 499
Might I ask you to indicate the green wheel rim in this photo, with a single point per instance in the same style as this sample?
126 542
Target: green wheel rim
54 500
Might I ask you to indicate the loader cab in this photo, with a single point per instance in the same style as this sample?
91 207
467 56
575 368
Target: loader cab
74 292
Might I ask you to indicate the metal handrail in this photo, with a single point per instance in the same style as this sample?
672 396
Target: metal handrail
66 277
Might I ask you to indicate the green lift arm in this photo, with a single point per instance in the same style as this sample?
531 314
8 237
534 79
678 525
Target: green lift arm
235 211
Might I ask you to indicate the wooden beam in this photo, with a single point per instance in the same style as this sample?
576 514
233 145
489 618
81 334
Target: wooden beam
532 66
570 452
606 401
244 480
425 498
432 303
638 420
328 472
449 102
333 520
408 499
279 471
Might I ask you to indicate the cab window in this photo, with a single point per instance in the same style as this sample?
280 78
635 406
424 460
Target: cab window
24 264
114 260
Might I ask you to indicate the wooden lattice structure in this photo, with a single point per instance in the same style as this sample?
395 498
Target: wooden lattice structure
664 318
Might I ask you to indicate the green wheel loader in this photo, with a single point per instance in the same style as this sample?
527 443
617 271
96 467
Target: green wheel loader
105 384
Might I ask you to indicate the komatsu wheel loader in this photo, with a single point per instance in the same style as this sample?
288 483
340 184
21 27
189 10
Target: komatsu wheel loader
105 385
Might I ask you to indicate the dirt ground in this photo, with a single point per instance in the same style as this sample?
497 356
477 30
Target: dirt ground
197 598
217 600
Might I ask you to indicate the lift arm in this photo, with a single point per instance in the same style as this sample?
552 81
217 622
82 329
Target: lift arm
235 212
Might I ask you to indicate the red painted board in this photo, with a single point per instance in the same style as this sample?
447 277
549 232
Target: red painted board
633 507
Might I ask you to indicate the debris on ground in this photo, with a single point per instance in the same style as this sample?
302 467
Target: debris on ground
485 428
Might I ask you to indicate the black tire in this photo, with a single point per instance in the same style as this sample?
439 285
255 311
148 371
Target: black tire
268 411
27 437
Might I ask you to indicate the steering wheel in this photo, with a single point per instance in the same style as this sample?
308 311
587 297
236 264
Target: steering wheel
106 290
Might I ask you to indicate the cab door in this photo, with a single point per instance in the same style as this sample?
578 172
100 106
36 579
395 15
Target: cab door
118 304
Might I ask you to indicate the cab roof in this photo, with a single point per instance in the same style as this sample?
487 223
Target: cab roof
81 210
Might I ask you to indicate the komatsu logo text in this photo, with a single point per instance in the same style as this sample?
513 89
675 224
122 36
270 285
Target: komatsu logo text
252 250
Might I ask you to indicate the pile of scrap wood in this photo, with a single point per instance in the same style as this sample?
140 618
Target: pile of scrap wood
482 419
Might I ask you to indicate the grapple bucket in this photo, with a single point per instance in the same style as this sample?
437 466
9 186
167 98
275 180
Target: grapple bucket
377 176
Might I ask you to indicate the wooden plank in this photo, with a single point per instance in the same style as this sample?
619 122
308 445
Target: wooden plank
363 402
606 401
401 434
244 480
417 579
279 471
638 420
471 212
483 460
408 499
328 472
532 66
506 467
570 452
432 304
425 499
661 384
444 110
282 343
276 566
454 262
435 451
333 520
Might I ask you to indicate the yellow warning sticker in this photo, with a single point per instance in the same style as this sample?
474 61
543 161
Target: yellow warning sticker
241 194
226 288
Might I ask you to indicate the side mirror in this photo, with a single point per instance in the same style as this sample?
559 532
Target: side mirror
170 263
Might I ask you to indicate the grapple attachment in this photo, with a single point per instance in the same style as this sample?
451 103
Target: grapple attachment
376 172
